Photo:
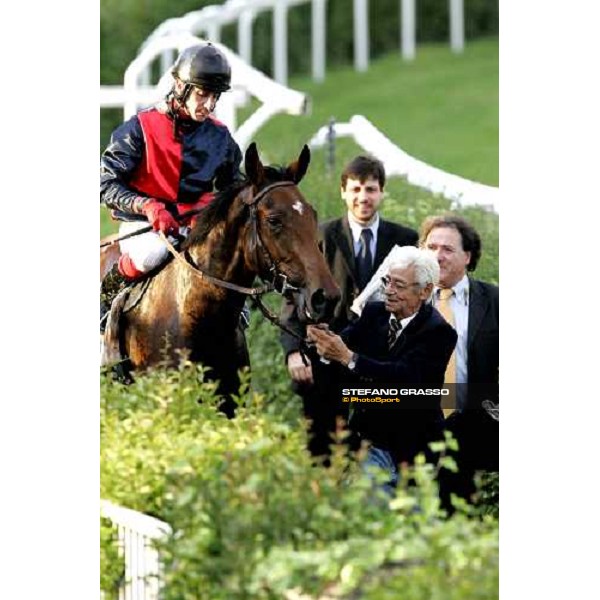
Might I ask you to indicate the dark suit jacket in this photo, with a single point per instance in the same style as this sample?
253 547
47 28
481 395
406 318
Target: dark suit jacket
418 358
475 430
482 343
338 248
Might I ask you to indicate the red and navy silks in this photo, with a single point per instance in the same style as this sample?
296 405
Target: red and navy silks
144 160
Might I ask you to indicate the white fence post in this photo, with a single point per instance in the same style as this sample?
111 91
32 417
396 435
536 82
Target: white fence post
280 53
213 29
318 33
167 58
408 27
457 26
245 35
361 35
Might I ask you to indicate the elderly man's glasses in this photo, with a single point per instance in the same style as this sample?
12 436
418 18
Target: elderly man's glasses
397 285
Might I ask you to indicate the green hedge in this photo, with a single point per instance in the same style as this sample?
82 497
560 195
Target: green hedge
252 517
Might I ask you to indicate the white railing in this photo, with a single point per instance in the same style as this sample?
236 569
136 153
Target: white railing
209 21
174 34
137 534
398 162
274 97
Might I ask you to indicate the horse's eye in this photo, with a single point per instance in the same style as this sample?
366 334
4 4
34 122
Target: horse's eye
274 222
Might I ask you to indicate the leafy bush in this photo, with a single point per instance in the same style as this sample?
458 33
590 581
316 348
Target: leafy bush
112 566
253 518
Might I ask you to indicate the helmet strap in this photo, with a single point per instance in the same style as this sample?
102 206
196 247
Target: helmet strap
173 111
181 98
187 90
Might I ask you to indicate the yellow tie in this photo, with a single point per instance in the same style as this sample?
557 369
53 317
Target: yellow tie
450 376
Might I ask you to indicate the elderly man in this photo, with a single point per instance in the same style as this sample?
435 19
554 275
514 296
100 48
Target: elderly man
354 246
403 340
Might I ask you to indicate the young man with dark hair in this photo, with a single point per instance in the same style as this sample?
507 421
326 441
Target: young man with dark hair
354 246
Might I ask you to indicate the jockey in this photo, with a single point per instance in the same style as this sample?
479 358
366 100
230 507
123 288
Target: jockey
168 159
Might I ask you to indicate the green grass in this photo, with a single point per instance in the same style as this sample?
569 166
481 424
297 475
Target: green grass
442 108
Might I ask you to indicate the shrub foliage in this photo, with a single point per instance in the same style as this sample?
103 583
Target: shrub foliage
253 518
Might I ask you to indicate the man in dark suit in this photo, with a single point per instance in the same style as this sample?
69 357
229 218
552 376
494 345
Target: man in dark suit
475 308
354 246
403 341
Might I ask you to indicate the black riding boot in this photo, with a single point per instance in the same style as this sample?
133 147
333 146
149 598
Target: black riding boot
112 284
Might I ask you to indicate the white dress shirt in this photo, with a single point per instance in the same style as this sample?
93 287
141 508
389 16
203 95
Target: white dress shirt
356 229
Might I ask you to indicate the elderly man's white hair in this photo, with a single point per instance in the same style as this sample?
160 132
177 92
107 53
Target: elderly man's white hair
427 271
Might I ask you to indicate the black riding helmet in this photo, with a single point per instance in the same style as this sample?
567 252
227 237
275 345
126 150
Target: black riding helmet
205 66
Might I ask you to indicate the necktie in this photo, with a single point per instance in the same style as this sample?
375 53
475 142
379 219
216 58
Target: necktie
446 311
364 260
395 327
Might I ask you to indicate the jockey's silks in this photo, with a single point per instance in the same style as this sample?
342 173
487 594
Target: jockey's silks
145 159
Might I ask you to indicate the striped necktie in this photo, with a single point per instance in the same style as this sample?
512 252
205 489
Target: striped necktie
445 308
394 330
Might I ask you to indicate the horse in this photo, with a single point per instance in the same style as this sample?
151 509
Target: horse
262 226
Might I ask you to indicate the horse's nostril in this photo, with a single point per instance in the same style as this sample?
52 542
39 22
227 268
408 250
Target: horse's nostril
318 301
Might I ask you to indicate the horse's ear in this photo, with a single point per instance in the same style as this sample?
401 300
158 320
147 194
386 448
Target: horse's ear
297 170
253 166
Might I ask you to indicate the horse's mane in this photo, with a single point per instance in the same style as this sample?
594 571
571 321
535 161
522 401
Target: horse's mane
217 210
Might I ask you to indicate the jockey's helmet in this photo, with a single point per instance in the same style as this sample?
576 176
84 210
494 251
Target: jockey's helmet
203 65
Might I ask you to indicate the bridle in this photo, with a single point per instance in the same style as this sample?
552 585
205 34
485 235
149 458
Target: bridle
278 281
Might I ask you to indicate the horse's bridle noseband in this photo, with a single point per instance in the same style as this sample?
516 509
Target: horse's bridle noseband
279 280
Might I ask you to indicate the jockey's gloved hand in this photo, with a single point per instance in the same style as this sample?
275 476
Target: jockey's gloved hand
160 218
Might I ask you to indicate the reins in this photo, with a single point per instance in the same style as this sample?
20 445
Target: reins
185 215
263 289
255 293
304 347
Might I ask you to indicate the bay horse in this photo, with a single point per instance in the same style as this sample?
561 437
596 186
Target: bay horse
259 227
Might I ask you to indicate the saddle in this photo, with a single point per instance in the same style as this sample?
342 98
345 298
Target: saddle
117 297
112 354
113 283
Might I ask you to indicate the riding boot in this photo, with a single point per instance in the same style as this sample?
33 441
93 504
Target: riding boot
111 285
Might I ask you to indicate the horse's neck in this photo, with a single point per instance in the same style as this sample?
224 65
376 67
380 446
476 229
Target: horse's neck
222 256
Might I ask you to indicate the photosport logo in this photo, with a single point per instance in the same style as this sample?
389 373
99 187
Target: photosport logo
422 396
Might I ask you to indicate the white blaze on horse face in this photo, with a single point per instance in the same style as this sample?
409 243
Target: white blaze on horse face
298 207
